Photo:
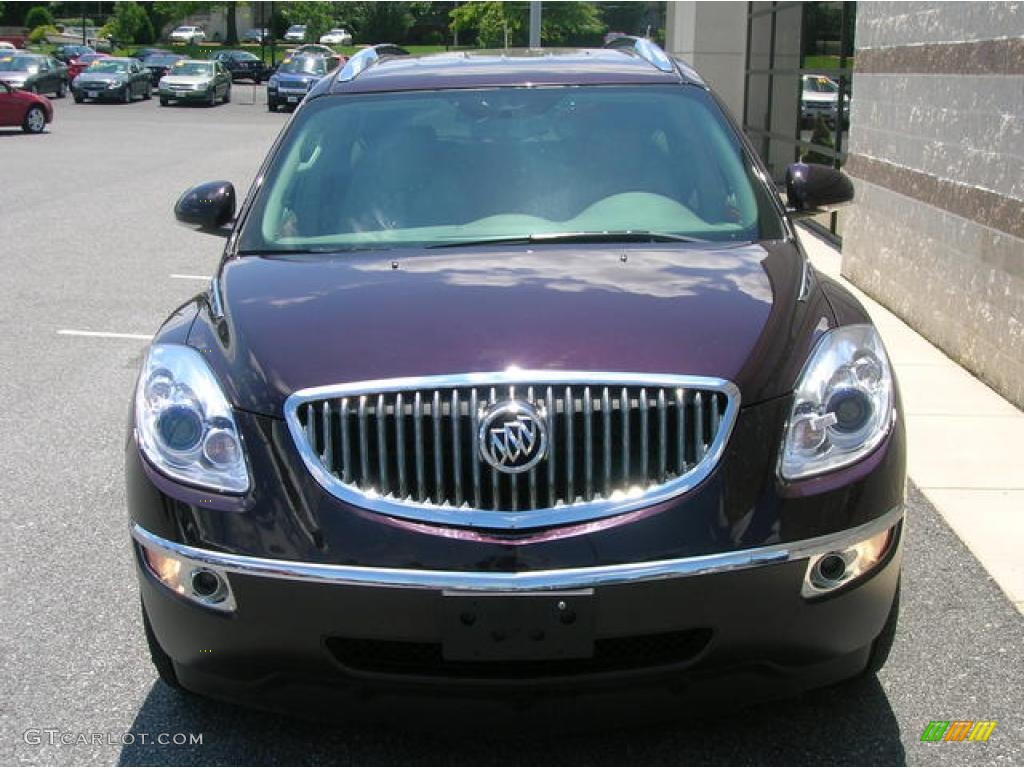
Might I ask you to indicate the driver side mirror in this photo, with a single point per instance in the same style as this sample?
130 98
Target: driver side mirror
813 189
208 207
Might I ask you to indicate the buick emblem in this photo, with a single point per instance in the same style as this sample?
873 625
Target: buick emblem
513 436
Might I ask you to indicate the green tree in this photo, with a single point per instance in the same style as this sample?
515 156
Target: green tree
317 16
574 23
39 16
131 24
382 22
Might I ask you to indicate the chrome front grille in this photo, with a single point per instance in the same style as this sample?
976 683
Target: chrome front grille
411 447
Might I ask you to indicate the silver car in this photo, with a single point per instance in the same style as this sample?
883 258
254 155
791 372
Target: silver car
196 80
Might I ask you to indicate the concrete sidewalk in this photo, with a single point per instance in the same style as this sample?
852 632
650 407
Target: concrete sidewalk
964 439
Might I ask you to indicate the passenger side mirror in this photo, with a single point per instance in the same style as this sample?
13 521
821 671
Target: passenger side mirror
207 207
813 189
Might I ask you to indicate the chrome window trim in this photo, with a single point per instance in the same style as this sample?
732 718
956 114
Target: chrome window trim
507 520
522 581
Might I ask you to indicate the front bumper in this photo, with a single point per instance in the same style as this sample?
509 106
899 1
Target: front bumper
299 633
173 95
102 92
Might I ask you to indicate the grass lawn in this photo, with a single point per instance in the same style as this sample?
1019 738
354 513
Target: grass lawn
825 62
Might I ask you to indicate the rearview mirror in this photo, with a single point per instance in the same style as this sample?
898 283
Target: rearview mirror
207 207
813 189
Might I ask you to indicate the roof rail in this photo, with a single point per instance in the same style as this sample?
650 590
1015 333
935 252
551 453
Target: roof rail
366 58
645 49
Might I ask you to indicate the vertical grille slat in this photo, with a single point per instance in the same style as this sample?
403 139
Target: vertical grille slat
533 471
435 415
456 416
327 457
624 408
570 415
403 489
346 450
662 436
606 444
644 434
380 416
698 426
364 444
603 440
588 444
549 403
681 430
417 421
474 407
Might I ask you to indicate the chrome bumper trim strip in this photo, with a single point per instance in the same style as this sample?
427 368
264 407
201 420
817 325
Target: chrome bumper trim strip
572 578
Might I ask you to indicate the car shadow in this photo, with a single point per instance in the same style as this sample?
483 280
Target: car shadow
848 724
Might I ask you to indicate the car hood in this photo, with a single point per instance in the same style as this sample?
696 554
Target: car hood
292 323
99 77
186 79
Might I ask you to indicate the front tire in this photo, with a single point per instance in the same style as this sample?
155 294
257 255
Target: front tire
61 90
78 99
126 98
227 95
882 646
161 661
164 101
271 105
148 93
212 99
35 120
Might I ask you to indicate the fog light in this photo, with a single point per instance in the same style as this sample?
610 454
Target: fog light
831 570
203 585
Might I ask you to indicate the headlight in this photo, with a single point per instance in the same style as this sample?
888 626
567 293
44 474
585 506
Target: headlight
114 84
272 82
842 407
162 83
184 424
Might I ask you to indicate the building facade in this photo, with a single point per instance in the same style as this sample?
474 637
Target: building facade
927 116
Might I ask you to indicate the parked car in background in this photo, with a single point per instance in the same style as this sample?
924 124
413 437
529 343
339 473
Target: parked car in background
144 53
257 36
68 53
820 97
337 36
35 73
113 79
295 77
29 111
187 34
195 80
242 65
296 33
314 49
83 62
159 64
469 407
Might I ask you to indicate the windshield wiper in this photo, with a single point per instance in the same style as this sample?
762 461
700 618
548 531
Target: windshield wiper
611 236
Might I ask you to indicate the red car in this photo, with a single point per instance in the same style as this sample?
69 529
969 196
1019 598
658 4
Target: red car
30 111
78 65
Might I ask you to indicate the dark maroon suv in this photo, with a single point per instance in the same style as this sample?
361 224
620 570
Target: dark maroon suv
514 375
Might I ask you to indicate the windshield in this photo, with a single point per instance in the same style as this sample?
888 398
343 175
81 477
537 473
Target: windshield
18 64
108 66
185 29
86 58
161 59
444 167
305 64
820 84
187 68
297 28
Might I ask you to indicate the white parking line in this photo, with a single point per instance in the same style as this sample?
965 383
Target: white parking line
191 277
105 334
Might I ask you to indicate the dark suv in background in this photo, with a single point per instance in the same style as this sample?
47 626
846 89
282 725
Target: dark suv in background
514 377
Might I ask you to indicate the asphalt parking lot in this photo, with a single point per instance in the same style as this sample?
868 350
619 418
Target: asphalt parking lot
88 245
